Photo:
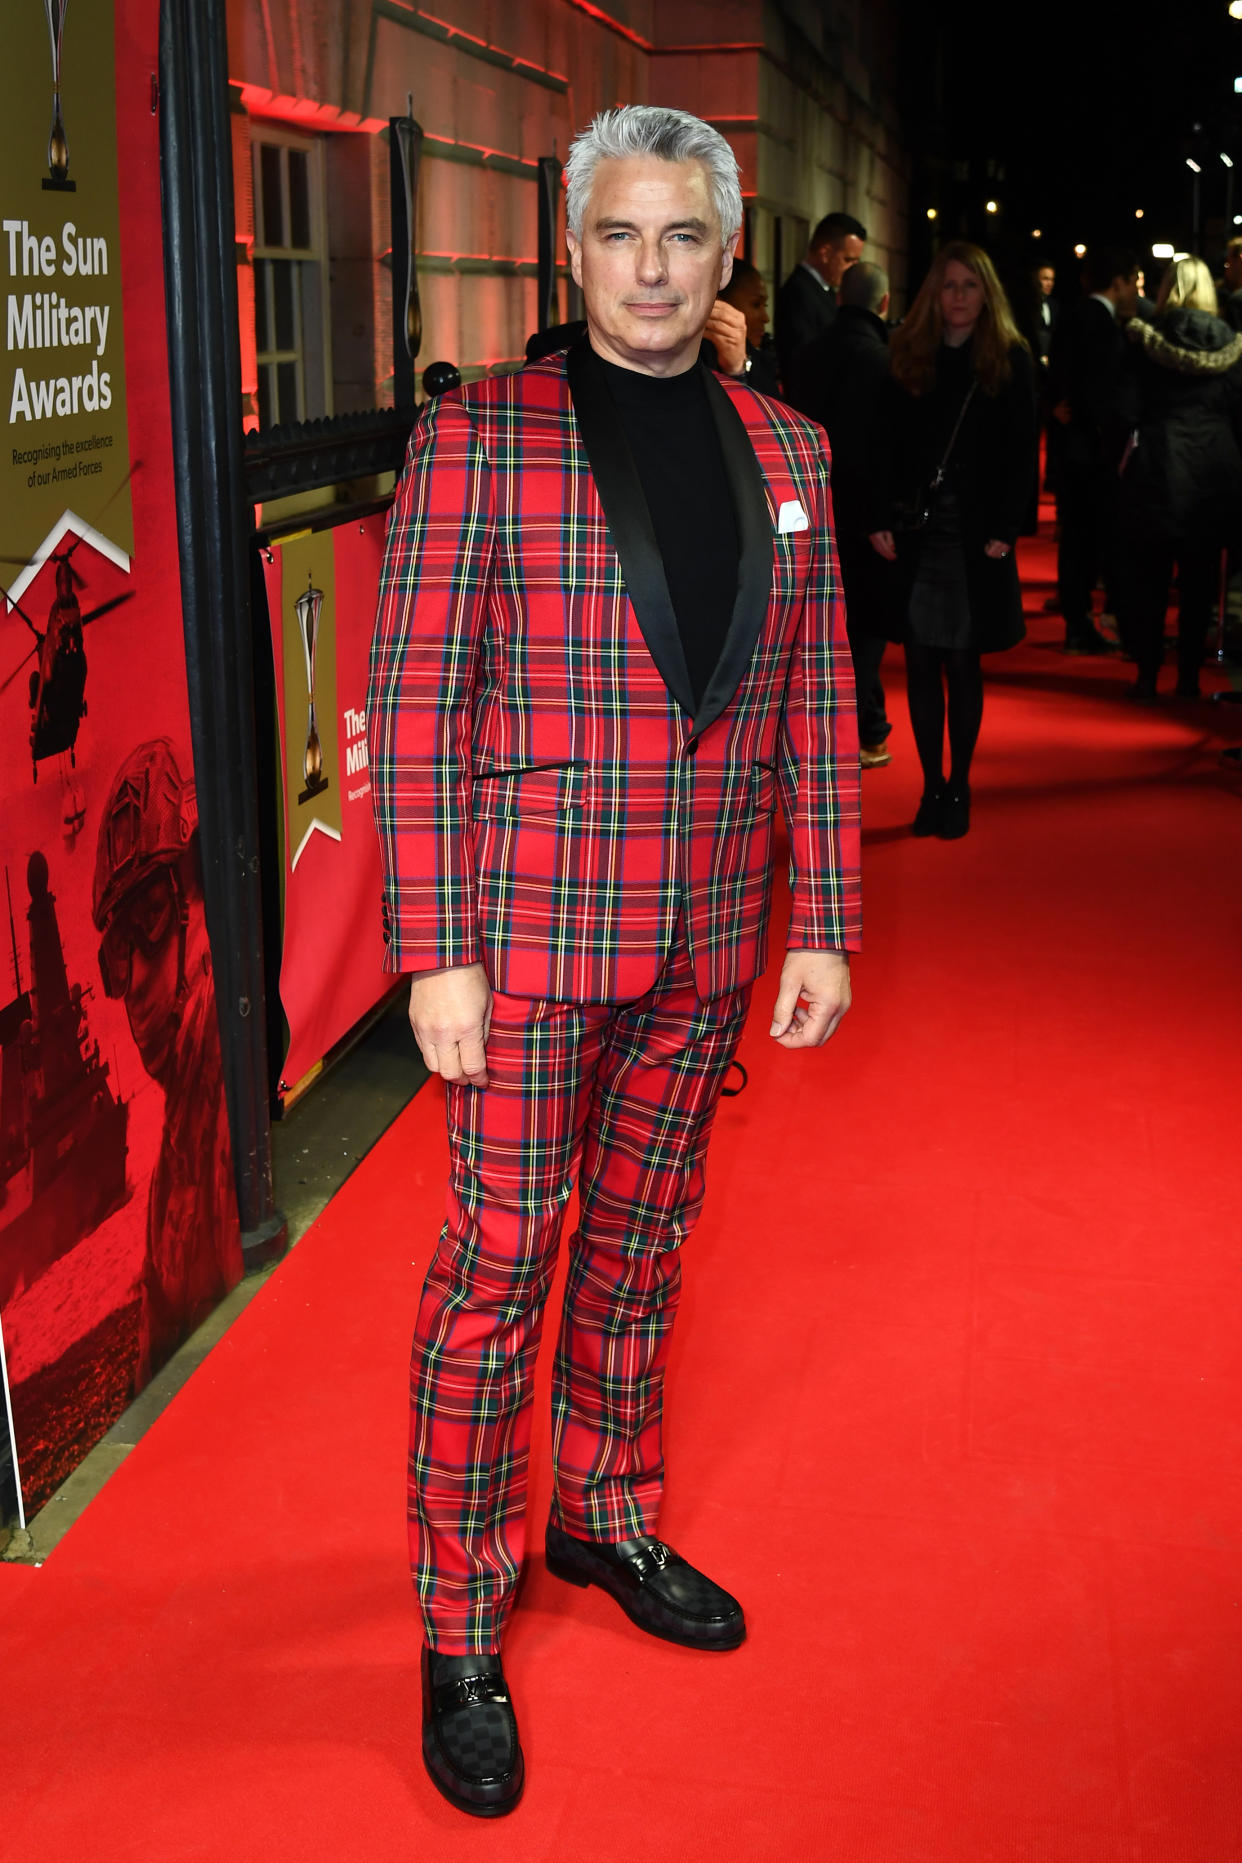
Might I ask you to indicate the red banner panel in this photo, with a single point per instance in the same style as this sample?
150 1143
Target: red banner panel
321 593
118 1222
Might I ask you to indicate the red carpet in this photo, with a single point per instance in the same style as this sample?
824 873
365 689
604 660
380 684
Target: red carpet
956 1408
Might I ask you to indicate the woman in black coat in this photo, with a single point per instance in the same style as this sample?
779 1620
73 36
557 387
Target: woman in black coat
962 400
1180 498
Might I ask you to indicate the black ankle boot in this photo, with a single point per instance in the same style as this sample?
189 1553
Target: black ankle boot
955 814
931 808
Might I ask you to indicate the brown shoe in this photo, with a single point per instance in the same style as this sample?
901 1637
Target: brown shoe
874 756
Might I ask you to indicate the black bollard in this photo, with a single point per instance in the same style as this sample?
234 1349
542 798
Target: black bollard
439 377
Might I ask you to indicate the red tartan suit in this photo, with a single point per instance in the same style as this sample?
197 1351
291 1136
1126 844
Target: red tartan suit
552 804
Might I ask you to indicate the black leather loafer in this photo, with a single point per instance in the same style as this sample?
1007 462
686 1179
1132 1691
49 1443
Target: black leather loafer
470 1736
654 1586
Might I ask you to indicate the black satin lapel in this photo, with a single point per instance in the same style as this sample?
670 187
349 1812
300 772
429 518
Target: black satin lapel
754 577
629 521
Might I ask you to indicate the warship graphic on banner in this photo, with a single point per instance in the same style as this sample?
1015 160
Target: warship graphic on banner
63 1143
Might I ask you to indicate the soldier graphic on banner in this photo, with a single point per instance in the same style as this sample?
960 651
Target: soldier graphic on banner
155 957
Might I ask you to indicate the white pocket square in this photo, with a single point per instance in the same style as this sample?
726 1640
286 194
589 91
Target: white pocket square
791 517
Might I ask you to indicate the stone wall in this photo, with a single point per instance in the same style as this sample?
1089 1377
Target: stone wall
497 85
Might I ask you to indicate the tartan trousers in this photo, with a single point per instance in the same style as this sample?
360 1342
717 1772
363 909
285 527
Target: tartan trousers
627 1094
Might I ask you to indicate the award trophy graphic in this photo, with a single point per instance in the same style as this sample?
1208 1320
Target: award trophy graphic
57 142
309 607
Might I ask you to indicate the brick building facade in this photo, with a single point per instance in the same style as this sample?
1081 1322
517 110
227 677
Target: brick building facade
804 93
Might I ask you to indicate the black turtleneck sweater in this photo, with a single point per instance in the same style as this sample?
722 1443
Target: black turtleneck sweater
672 436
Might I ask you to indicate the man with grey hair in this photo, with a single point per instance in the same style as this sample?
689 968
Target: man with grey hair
865 287
609 641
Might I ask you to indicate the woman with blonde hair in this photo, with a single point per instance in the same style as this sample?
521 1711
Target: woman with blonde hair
951 495
1180 496
1187 282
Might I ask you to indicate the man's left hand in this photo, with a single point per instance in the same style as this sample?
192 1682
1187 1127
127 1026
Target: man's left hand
813 996
726 329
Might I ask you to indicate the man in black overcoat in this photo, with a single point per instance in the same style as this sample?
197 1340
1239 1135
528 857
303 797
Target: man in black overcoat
1087 386
840 380
807 301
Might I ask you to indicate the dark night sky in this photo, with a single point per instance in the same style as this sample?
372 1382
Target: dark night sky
1091 110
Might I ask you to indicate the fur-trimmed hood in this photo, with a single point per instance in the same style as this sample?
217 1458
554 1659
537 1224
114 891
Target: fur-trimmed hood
1189 342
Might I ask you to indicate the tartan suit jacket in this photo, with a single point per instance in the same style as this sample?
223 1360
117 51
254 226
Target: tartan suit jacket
549 801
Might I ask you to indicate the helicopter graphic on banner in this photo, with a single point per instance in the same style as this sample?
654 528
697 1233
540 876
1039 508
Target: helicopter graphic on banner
56 685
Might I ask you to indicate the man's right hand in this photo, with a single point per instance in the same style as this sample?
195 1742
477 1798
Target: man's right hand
451 1016
884 544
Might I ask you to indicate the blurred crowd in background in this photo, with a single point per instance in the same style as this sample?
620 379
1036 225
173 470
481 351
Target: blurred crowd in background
1129 405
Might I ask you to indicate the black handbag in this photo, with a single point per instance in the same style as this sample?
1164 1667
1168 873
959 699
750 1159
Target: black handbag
914 514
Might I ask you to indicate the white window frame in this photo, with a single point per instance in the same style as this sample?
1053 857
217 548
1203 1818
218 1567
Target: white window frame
304 258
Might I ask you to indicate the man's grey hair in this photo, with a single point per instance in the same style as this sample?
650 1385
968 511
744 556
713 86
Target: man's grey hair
865 286
646 129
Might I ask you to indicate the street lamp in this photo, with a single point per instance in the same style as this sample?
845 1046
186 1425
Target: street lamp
1037 232
992 206
932 214
1196 171
1235 9
1080 252
1138 213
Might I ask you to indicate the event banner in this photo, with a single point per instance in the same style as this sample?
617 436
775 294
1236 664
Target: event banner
64 471
118 1221
321 595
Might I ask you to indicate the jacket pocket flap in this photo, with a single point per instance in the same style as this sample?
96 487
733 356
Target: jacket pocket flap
540 790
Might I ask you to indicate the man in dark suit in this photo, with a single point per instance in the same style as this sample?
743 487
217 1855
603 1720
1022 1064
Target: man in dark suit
1040 316
841 380
806 303
610 642
1043 314
1087 394
1231 296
